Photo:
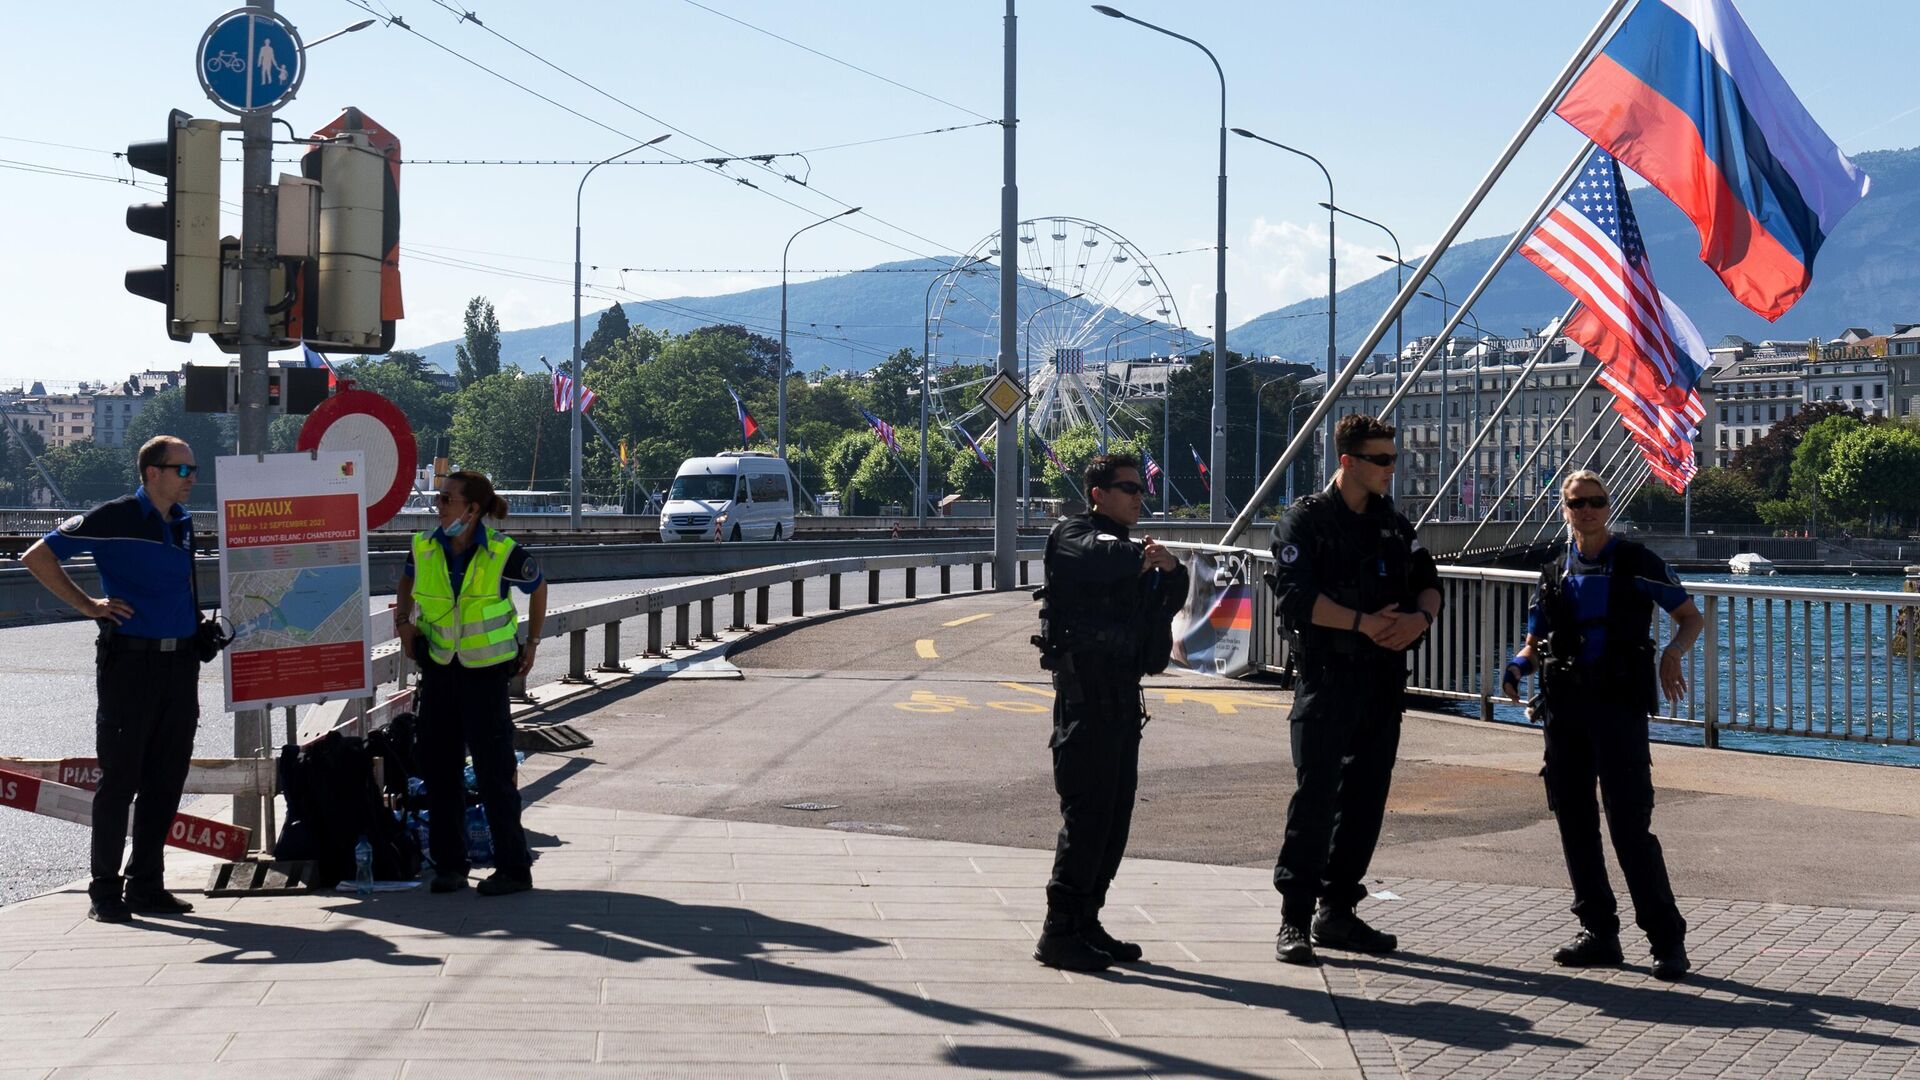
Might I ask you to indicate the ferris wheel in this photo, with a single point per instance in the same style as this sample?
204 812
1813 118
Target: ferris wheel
1087 298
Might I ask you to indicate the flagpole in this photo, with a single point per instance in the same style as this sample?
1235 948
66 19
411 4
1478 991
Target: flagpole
1539 446
1412 286
1498 410
1554 480
1610 469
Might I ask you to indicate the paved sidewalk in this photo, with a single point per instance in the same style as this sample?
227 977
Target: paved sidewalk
662 946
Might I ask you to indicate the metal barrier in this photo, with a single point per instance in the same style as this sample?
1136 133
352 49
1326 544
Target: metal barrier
1817 663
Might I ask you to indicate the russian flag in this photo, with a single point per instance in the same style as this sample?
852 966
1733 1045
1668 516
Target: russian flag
1684 95
748 429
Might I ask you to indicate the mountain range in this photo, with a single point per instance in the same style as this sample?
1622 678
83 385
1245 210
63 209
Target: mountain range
1866 275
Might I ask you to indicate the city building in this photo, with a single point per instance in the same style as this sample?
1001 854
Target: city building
1903 368
1754 392
112 413
70 418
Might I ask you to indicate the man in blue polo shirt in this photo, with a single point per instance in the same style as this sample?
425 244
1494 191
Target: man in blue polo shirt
147 669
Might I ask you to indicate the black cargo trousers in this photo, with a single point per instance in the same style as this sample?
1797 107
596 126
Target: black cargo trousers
148 711
1591 736
1097 720
1345 735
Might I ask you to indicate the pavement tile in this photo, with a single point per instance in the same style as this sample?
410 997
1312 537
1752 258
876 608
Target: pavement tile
930 1017
57 958
79 977
925 971
80 998
754 992
190 973
423 988
792 1049
632 963
325 1017
489 1016
1221 1058
626 1070
877 894
21 1053
496 1045
796 844
388 1069
35 1017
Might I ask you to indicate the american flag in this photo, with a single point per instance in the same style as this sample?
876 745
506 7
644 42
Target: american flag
978 454
884 430
1153 473
1651 355
1201 464
563 395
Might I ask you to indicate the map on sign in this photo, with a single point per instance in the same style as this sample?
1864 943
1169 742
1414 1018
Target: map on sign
293 577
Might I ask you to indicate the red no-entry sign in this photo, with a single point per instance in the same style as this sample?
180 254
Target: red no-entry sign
363 420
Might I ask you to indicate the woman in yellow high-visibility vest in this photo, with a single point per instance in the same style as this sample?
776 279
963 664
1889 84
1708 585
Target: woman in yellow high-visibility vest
455 616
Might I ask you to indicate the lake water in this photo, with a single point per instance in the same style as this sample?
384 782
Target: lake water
1849 662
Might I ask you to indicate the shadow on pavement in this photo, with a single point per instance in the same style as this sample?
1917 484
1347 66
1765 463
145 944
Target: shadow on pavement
1711 1001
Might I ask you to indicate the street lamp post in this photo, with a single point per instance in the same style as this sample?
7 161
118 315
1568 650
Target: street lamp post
1444 397
573 456
1216 507
1293 411
780 424
1259 462
1399 342
926 352
1333 359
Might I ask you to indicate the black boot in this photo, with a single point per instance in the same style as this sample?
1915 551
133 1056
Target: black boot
1341 928
1063 944
1589 949
1671 964
1125 952
1294 945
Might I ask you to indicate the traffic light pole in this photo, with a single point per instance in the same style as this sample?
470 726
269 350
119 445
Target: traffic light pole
258 223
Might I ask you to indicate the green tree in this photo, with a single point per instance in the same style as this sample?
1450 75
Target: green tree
403 358
964 472
1768 460
89 474
1873 473
479 355
18 477
210 435
842 462
611 327
502 421
1722 498
1812 456
399 379
892 388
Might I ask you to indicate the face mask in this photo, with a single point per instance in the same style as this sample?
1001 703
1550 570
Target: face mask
455 529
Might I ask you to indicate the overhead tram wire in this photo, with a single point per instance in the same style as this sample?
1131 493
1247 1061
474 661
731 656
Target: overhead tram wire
837 60
468 16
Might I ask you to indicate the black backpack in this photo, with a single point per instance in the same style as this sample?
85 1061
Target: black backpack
332 801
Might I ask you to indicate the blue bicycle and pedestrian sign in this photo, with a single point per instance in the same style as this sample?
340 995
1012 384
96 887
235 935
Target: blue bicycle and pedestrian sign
250 61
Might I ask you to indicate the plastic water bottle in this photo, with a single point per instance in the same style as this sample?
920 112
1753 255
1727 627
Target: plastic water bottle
479 838
363 868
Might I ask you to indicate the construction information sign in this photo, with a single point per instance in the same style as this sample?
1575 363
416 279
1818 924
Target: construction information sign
293 577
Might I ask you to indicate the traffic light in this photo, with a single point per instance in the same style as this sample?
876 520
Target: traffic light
189 221
351 295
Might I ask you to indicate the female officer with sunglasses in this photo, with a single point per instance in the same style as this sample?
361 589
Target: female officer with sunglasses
1588 636
458 578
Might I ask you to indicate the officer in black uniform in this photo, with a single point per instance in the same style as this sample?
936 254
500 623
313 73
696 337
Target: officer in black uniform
146 665
1588 635
1355 589
1105 621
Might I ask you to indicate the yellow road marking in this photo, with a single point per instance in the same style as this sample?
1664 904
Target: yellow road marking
970 618
1025 689
925 648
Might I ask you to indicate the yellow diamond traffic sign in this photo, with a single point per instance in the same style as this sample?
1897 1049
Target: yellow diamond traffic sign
1003 395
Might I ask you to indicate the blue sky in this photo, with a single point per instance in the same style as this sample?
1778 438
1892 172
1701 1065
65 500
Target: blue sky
1406 102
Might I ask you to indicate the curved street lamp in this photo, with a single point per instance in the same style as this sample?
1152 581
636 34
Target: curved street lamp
1216 508
926 351
573 454
781 423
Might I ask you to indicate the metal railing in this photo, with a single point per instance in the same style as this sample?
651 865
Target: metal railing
1816 663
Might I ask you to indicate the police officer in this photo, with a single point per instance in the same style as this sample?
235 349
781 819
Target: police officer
1105 621
1588 635
463 635
1355 588
146 667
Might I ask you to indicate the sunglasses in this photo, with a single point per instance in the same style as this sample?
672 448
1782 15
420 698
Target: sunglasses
1126 487
443 498
182 471
1596 502
1385 461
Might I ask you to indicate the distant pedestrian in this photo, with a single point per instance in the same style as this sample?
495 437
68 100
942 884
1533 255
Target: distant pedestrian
1104 623
459 579
146 669
1588 635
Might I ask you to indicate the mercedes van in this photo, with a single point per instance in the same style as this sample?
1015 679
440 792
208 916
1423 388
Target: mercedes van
738 495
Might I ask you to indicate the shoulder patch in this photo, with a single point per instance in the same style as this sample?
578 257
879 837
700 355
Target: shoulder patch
1289 554
72 524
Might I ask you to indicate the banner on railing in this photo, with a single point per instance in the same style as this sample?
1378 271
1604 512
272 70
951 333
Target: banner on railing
293 577
1213 633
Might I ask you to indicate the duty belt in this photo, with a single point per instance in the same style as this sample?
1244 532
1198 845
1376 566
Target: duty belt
149 644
